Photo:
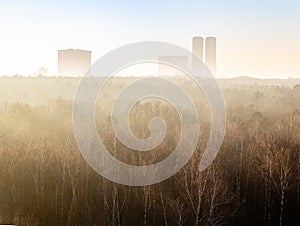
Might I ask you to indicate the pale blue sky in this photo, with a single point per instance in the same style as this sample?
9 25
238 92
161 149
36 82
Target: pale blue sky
258 38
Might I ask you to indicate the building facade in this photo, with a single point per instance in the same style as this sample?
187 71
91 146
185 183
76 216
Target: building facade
211 54
197 53
74 62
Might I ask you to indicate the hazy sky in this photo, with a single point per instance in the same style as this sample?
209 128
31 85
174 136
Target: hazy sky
255 37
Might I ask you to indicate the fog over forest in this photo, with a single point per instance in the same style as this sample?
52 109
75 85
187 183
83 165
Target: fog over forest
255 179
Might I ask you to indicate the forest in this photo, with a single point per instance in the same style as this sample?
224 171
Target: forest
255 179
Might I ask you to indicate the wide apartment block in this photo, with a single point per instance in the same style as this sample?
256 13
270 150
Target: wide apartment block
74 62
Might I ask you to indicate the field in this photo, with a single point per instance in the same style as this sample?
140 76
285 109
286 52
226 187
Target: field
255 179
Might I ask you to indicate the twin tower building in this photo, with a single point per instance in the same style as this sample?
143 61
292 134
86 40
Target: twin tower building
204 49
210 52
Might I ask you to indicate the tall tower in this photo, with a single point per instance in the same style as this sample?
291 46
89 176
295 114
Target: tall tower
210 54
197 51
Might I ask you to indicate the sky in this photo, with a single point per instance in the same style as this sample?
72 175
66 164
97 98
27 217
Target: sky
259 38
